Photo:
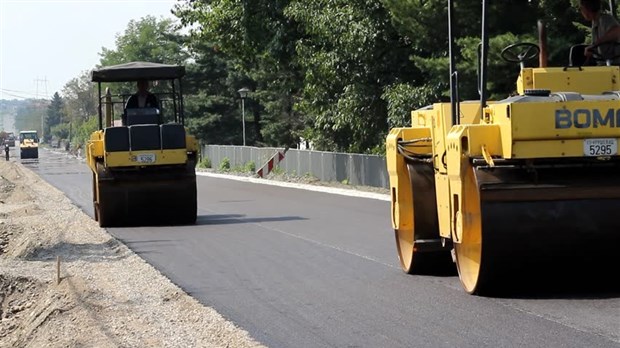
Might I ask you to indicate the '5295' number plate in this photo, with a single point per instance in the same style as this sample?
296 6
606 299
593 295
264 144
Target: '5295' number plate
600 147
144 158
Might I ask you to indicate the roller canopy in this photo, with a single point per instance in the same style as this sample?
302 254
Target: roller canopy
134 71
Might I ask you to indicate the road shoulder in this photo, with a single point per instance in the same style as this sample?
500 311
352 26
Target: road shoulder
107 297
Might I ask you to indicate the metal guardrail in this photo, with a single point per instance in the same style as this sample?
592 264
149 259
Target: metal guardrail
355 169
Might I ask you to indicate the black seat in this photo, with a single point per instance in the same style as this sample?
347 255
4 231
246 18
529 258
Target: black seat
576 56
141 116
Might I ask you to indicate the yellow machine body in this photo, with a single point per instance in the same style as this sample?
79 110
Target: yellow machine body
28 144
142 187
124 159
585 80
143 168
526 184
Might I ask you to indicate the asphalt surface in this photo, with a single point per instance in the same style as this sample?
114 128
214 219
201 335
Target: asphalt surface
297 268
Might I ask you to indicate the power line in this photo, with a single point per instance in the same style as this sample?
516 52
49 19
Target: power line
15 95
29 95
5 90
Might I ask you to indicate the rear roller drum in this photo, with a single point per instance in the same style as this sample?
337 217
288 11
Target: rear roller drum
111 208
555 229
419 249
468 250
94 187
144 199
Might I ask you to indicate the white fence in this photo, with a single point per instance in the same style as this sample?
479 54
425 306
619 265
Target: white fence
356 169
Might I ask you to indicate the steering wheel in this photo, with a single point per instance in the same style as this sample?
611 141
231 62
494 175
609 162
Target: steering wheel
609 52
520 52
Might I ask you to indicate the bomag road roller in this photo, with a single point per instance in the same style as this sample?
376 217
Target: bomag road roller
514 191
143 164
28 145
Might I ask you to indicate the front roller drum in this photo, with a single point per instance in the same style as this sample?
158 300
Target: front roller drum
420 249
29 153
552 227
146 201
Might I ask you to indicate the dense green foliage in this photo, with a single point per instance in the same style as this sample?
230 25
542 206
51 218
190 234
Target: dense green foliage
81 130
340 73
53 118
148 39
337 73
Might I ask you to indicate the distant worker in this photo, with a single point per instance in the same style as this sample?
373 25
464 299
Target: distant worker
143 98
605 29
6 150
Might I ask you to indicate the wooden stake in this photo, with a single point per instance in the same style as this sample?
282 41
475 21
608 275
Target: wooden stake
57 270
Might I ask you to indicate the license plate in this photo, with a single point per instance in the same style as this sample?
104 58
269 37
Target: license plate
146 158
600 147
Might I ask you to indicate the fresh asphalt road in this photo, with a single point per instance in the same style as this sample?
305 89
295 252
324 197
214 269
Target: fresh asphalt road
298 268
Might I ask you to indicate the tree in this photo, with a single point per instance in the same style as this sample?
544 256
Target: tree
210 108
61 131
424 24
53 117
340 73
80 97
257 41
350 53
147 39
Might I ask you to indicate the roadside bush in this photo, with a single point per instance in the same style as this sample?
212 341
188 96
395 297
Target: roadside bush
225 164
205 163
81 130
277 171
250 167
61 130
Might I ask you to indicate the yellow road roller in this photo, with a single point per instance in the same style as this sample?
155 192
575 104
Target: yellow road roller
143 160
514 191
28 144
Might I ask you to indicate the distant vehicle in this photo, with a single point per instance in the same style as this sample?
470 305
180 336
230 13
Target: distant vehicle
11 139
29 144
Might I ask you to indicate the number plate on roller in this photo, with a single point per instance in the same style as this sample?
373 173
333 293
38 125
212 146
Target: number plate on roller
600 147
146 158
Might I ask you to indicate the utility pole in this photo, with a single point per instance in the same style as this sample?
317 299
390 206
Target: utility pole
44 82
243 93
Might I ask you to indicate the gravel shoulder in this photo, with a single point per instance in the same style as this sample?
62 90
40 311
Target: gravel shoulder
107 296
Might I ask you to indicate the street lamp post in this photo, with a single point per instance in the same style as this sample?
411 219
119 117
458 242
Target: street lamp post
243 92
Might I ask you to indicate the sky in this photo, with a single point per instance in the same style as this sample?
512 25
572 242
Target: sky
46 43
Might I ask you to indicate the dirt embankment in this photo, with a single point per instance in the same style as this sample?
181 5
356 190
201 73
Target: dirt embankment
107 297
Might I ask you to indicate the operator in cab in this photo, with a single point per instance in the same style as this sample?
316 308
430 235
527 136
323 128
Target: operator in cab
141 107
142 98
605 31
